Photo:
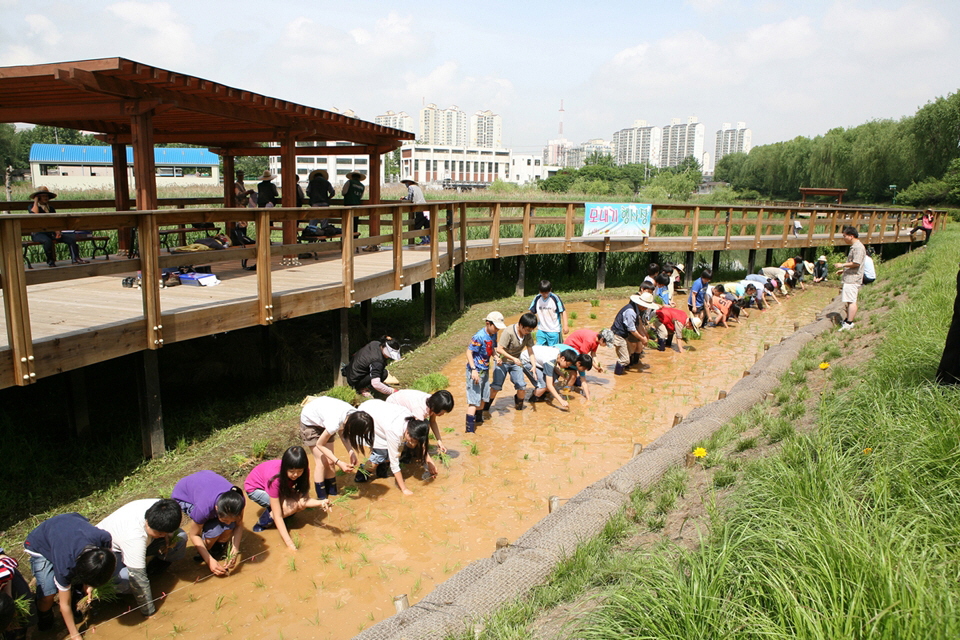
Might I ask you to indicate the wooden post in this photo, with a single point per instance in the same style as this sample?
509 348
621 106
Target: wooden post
415 291
397 249
758 230
463 231
688 258
768 260
521 275
568 229
553 503
677 419
637 449
264 276
451 239
151 410
346 256
601 270
289 179
810 227
696 228
15 305
726 232
344 344
459 287
752 261
434 241
528 229
121 196
401 603
495 230
832 217
787 227
870 224
715 263
374 178
79 412
229 179
141 130
429 308
721 395
366 317
502 543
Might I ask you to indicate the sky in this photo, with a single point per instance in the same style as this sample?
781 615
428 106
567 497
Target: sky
785 68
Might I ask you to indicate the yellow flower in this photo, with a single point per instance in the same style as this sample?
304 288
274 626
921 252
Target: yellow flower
824 365
699 452
867 451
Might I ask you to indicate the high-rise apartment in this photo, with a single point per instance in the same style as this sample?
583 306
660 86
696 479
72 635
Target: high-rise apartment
555 153
733 139
486 130
443 126
395 120
681 140
638 144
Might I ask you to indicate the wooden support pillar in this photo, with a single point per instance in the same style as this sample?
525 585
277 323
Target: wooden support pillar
653 257
344 345
366 317
373 193
752 261
289 180
141 129
688 265
495 265
151 410
429 308
459 287
78 408
415 291
521 275
121 196
268 352
571 264
601 270
715 263
768 261
15 303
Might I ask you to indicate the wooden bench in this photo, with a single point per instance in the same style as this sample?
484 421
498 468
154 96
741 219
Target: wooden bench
98 244
166 235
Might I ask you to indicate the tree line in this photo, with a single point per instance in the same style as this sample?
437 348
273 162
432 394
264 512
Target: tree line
919 154
601 177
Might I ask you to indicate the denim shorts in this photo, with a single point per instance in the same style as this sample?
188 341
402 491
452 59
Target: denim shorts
212 528
261 497
515 371
378 456
43 572
478 392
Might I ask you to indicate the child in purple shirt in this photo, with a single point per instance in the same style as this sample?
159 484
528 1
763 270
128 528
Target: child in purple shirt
215 510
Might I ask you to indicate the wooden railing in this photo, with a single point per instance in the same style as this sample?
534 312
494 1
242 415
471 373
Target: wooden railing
500 228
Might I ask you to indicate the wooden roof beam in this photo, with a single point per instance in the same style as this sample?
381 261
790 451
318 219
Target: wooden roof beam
353 150
77 111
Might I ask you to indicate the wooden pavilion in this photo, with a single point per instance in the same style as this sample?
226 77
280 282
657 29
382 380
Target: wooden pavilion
821 191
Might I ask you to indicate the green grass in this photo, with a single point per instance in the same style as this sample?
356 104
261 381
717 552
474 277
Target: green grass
431 382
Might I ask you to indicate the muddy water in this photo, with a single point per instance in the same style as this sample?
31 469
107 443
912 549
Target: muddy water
380 543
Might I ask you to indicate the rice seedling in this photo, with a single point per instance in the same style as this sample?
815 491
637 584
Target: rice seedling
572 315
526 456
340 563
315 620
227 627
178 629
259 583
594 302
448 429
292 564
571 323
295 537
218 603
258 449
593 316
473 446
302 597
339 604
325 557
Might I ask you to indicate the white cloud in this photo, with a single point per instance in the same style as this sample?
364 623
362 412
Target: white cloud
161 34
792 39
42 29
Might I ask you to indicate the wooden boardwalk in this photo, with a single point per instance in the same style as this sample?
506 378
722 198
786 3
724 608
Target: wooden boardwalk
79 315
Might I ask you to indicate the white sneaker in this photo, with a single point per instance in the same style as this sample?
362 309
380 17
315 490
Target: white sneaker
846 326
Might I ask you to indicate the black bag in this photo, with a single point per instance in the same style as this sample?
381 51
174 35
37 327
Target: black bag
203 225
239 237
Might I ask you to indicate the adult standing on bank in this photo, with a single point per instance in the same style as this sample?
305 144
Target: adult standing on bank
41 204
267 193
851 274
421 219
352 193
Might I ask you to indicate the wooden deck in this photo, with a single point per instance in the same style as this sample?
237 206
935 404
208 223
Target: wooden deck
80 315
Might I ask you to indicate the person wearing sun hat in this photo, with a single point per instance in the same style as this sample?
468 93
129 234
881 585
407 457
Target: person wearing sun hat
421 219
629 334
267 193
352 192
820 269
368 367
41 204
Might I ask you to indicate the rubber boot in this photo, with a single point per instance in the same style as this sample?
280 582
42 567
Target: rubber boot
321 490
265 522
518 402
619 370
483 413
383 470
669 342
157 566
472 422
331 486
361 476
45 619
661 344
634 359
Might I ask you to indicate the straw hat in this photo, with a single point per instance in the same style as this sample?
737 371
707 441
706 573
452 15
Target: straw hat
822 259
695 323
808 266
43 191
318 172
644 300
391 380
409 181
355 175
679 267
267 175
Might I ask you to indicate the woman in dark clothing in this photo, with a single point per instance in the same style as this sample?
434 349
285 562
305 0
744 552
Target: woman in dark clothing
319 190
368 366
267 194
41 204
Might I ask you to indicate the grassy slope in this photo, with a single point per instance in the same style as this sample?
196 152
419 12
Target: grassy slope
848 529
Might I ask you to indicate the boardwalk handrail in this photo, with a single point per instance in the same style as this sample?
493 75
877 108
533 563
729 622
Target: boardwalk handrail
541 227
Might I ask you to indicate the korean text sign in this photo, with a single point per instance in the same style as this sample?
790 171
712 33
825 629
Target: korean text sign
617 219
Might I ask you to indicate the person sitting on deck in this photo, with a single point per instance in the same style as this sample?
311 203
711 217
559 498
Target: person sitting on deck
352 193
267 193
241 192
368 366
41 204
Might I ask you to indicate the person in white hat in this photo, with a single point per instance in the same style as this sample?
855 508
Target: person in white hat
267 193
670 323
368 366
629 334
820 269
481 353
421 219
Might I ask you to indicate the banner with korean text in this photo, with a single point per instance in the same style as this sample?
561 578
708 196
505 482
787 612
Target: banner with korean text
617 219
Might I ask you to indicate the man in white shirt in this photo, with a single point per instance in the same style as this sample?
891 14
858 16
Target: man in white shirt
421 219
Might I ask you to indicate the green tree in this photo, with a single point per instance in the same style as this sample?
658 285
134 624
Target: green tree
8 145
597 158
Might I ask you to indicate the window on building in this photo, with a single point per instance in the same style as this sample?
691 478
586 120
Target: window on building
303 172
343 172
359 161
344 161
302 160
416 165
528 162
537 162
446 165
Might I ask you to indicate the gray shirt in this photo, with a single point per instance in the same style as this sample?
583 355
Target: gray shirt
858 254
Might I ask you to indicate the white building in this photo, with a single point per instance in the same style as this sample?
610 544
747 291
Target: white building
336 166
395 120
526 168
638 144
680 141
443 126
449 166
577 156
555 153
733 139
486 130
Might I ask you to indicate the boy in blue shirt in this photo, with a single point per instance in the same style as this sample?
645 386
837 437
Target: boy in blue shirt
551 315
696 301
482 348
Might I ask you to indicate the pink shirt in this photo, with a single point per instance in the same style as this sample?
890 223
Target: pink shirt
412 400
260 478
